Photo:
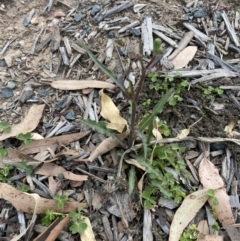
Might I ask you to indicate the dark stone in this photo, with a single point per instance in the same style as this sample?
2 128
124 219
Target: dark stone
201 13
95 9
48 126
7 93
111 35
186 10
216 146
3 63
70 115
25 22
135 32
77 17
42 93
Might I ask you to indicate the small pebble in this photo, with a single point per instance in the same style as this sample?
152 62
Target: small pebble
25 22
7 93
42 93
59 14
11 85
95 9
70 115
135 32
3 63
77 17
201 13
111 35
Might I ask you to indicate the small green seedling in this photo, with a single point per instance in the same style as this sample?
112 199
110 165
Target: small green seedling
215 226
163 128
210 91
60 200
3 152
4 172
49 217
24 167
78 223
212 197
26 138
5 126
24 188
192 233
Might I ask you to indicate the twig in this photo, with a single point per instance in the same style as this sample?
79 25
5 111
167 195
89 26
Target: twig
6 46
35 42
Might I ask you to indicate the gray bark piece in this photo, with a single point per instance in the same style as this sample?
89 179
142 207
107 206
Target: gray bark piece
131 25
230 29
147 225
198 33
166 39
116 9
107 228
147 37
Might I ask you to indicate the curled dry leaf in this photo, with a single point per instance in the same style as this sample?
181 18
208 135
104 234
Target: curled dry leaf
88 234
210 179
52 142
135 163
81 84
111 113
106 146
24 202
186 212
50 169
185 132
229 128
28 124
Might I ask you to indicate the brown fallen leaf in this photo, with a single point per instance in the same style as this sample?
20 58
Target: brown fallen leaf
203 227
229 128
51 169
14 156
111 113
210 179
52 142
53 185
24 202
184 57
186 212
81 84
58 228
104 147
28 124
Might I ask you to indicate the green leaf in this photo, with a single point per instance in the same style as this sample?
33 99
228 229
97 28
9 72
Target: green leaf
211 193
103 68
131 179
3 152
144 142
157 49
147 121
21 137
101 128
78 227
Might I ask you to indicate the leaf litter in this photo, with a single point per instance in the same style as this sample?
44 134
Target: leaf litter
57 116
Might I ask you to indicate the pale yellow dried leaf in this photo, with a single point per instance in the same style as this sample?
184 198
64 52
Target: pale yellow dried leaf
81 84
135 163
88 234
51 169
37 199
36 136
28 124
111 113
186 212
210 179
26 203
212 237
229 128
53 185
155 131
184 57
105 146
183 133
140 187
203 227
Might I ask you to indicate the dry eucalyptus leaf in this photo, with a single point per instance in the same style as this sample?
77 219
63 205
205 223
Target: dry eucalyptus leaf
14 157
212 237
81 84
52 142
185 132
36 199
135 163
111 113
184 57
88 234
203 227
210 179
51 169
104 147
28 124
24 202
186 212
